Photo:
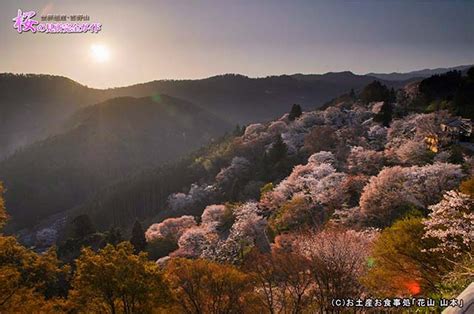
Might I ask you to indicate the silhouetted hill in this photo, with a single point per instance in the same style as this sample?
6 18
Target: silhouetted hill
394 76
241 99
32 105
100 144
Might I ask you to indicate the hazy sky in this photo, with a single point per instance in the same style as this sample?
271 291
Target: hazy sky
149 40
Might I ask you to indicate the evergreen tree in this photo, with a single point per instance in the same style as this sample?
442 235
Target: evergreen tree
352 94
385 114
375 91
470 73
295 112
138 238
278 151
392 95
114 236
276 162
82 226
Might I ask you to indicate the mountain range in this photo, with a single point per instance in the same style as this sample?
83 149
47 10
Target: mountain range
33 106
58 137
394 76
100 144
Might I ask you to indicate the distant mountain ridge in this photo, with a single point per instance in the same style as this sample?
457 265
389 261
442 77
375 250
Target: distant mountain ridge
395 76
32 106
242 99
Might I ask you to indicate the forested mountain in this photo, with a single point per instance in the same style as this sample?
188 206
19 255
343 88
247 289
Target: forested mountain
118 137
100 144
367 185
394 76
32 106
242 99
237 167
370 195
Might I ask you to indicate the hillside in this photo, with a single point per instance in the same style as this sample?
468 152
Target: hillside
242 99
32 105
100 144
238 167
372 189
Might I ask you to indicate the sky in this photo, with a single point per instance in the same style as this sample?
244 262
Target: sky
142 41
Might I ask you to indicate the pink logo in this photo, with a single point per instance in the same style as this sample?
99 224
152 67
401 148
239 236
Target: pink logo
24 23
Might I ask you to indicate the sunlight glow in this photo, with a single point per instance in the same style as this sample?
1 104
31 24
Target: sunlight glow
100 53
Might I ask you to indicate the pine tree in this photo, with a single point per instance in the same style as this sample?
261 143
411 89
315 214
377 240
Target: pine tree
239 130
375 91
138 238
114 236
278 151
82 226
295 112
352 94
385 114
276 160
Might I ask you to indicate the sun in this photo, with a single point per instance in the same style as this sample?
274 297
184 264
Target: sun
100 53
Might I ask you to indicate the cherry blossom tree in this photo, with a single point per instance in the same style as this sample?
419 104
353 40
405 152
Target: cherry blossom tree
317 181
338 260
247 231
227 178
395 190
451 223
365 161
427 184
215 217
171 228
192 243
185 202
413 152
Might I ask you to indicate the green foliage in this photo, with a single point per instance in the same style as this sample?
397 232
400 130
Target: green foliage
82 226
459 278
138 238
456 154
28 279
278 151
436 105
375 91
449 91
160 247
70 249
295 215
239 130
201 286
295 112
266 188
352 94
113 236
403 261
385 114
275 164
116 280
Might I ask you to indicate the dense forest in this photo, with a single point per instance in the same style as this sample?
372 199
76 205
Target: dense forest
103 143
367 198
45 101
